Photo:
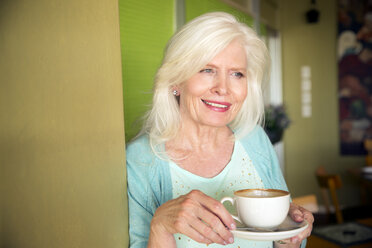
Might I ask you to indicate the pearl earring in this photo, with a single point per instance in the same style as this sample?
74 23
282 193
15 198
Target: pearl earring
175 92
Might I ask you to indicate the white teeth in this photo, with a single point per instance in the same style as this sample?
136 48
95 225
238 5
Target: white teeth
215 104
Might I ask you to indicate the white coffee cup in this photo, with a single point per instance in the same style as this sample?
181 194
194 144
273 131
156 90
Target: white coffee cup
261 208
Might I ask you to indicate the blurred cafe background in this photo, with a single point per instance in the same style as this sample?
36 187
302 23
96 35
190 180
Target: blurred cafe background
76 75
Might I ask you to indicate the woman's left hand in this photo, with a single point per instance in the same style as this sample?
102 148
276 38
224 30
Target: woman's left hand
298 214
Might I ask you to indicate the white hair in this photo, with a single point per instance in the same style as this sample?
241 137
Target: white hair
189 50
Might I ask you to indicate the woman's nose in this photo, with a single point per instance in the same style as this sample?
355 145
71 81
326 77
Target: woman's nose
220 86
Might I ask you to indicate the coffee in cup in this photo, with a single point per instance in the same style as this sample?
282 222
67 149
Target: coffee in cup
260 208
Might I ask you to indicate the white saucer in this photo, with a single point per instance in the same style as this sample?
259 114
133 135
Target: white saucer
286 230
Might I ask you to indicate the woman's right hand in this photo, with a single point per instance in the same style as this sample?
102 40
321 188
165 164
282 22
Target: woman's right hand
195 215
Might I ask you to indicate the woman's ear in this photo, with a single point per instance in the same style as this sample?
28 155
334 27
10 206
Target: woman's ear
175 91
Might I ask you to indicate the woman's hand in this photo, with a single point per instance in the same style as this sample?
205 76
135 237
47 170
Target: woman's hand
195 215
298 214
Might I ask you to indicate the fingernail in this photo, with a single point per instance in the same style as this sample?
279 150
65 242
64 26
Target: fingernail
294 240
231 240
297 216
233 226
224 243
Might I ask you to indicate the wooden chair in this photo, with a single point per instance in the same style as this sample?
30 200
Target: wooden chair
368 147
328 184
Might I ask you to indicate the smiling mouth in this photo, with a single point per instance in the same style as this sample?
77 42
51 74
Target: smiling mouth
217 105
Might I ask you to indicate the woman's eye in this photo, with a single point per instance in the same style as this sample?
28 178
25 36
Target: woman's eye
238 74
207 70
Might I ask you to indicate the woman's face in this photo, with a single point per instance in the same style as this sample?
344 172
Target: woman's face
214 95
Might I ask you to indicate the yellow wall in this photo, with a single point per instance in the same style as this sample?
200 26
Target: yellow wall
310 142
62 132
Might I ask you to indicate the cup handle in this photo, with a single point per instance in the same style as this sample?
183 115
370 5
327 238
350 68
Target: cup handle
232 201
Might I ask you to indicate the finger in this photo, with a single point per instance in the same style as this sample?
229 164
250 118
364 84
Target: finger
216 224
303 235
295 239
296 212
306 215
283 241
207 232
286 243
190 232
309 217
185 217
299 238
215 207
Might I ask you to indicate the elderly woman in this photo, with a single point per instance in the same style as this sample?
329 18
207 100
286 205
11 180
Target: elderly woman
201 140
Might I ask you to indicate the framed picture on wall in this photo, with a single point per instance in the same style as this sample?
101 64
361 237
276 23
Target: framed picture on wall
354 74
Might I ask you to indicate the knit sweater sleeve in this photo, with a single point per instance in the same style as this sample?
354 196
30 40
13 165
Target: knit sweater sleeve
149 186
140 198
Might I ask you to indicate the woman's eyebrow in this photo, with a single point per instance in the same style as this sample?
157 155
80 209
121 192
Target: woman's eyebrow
237 68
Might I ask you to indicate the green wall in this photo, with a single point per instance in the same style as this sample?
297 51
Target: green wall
145 27
62 154
310 142
196 8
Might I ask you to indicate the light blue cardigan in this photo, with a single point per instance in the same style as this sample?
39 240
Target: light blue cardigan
150 185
